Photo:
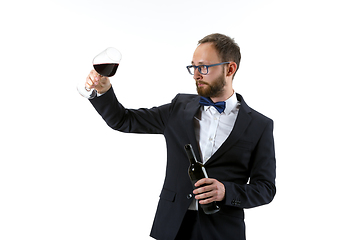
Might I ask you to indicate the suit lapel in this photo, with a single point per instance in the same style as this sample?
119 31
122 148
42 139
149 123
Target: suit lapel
242 121
189 112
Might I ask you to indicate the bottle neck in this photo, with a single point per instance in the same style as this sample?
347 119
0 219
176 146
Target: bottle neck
190 154
192 161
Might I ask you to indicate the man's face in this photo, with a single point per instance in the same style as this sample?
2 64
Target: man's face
211 84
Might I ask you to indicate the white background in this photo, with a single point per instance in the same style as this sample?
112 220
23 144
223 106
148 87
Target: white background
65 175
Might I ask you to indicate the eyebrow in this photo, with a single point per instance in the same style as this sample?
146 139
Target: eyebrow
200 63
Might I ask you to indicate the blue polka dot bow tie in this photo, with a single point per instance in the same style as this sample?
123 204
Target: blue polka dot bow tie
220 106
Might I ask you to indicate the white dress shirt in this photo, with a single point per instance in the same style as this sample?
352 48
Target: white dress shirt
212 129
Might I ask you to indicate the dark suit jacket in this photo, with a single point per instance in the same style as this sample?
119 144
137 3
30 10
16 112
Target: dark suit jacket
248 153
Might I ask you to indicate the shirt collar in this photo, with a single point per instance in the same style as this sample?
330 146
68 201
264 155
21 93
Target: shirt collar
231 104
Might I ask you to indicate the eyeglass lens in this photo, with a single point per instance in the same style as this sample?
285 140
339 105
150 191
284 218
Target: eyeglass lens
201 69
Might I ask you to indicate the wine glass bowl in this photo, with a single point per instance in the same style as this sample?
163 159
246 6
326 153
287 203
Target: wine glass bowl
105 63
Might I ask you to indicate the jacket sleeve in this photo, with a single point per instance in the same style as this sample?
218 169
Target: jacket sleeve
141 120
261 188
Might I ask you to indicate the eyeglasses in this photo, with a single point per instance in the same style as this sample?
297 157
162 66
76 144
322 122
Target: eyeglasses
203 69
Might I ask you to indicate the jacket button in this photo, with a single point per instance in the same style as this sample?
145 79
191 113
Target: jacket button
189 196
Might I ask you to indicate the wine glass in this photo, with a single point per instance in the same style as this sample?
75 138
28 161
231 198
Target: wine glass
106 64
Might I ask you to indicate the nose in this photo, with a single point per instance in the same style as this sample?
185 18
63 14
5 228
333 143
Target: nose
197 75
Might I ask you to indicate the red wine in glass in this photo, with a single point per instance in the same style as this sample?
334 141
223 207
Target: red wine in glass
106 69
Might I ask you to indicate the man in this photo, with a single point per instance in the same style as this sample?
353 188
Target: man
235 144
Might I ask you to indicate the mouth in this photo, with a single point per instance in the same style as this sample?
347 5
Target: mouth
201 84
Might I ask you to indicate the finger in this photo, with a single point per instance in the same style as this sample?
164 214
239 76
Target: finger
206 188
203 181
205 192
94 75
203 196
89 83
208 197
208 200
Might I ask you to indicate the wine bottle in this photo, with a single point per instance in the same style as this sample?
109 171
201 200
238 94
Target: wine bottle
196 172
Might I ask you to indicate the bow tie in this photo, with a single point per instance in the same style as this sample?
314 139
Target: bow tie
220 106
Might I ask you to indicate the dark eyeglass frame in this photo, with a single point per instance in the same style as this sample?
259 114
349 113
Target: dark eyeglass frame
202 67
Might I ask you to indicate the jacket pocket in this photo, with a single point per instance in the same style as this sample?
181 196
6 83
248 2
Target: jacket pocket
167 195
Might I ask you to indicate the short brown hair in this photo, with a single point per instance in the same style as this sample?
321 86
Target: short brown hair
226 47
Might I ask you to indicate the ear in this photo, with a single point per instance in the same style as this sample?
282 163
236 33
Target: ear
231 69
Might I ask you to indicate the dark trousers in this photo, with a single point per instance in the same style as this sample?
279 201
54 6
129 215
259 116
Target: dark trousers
190 227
